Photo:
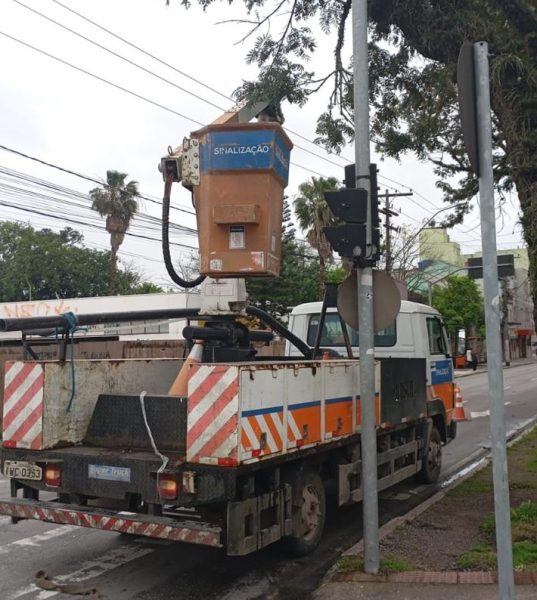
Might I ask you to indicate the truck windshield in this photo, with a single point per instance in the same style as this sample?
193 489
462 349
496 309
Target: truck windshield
332 334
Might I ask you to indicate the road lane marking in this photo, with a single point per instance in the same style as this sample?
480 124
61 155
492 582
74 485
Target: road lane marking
90 569
37 540
478 414
485 413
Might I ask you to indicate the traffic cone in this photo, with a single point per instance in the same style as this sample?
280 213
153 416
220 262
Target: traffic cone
180 385
459 413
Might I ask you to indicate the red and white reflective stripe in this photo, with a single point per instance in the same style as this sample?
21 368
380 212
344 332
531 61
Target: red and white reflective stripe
194 534
293 432
23 405
213 397
268 426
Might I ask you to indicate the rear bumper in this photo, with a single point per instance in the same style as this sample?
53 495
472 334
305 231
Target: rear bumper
169 528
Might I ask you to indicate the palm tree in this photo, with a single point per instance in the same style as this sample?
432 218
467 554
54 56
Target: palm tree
116 201
313 213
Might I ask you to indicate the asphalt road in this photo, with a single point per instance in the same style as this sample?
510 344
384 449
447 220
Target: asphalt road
142 569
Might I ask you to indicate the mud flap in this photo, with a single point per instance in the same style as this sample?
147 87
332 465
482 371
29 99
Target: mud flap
256 522
348 482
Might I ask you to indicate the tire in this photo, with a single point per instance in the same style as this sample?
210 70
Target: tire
432 458
311 517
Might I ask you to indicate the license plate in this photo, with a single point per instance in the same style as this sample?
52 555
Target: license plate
17 469
109 473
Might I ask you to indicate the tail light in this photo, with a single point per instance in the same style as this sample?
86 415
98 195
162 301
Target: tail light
53 475
168 487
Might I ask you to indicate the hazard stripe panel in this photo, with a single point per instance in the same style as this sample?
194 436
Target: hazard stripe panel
213 409
167 528
23 405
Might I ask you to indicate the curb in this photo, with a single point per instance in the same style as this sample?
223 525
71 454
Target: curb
440 577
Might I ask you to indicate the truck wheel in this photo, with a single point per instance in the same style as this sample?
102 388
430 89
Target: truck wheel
432 458
312 511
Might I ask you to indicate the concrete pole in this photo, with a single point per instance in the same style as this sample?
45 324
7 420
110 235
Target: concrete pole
365 294
493 325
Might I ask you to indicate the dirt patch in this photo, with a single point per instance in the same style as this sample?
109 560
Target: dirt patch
459 526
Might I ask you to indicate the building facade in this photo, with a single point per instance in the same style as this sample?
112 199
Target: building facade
441 257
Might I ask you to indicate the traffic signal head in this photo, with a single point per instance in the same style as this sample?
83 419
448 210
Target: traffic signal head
349 240
348 205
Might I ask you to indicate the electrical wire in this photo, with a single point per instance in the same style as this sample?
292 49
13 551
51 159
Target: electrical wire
167 80
99 78
183 73
157 104
175 85
70 197
86 177
117 55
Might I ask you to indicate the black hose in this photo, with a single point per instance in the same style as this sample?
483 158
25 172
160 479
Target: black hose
166 241
62 321
281 329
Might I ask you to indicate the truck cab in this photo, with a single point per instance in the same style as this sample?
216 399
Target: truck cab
417 332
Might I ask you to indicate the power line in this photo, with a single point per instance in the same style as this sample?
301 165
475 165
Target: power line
117 55
166 64
86 177
12 176
183 89
123 89
144 98
63 218
99 78
33 203
171 83
183 73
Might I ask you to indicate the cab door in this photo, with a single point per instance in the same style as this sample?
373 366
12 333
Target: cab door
440 364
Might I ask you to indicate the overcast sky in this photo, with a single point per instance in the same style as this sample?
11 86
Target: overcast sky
53 112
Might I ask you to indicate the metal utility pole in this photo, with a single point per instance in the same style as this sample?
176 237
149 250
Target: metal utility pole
493 324
365 293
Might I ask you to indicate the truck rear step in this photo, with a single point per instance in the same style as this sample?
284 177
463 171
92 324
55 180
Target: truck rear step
170 528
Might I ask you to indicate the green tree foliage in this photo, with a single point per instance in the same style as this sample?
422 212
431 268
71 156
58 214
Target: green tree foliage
40 265
312 213
117 202
298 281
413 55
460 303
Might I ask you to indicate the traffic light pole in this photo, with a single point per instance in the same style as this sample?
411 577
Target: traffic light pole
365 293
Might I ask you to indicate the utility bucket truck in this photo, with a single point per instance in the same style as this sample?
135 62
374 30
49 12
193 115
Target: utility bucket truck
224 449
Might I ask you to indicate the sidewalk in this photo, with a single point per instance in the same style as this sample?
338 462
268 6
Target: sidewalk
519 362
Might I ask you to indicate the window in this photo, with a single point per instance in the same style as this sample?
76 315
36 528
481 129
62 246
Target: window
332 334
436 336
